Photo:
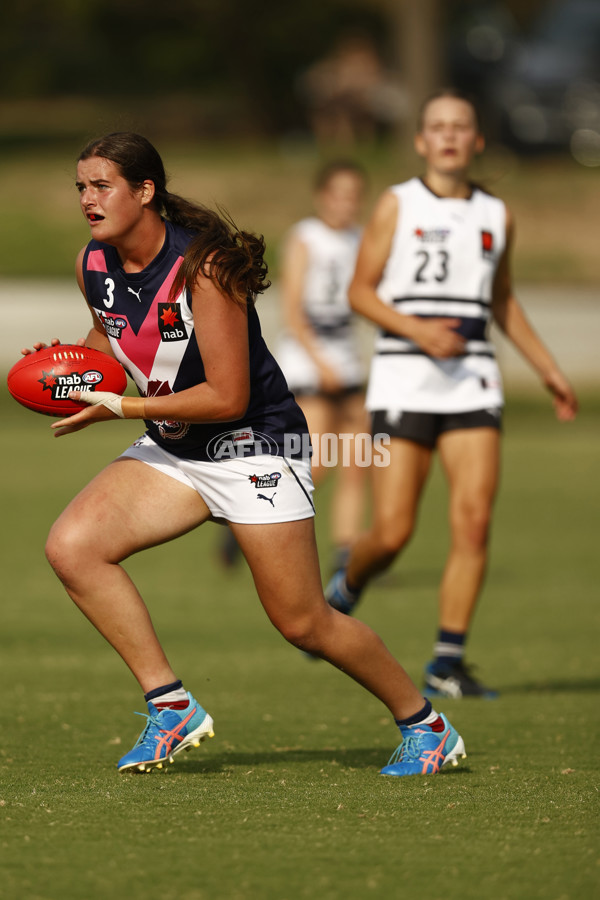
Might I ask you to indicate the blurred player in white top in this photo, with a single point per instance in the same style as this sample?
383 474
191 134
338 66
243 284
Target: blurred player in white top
319 353
433 271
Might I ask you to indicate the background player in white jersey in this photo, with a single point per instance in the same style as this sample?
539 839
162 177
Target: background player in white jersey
206 384
319 352
433 270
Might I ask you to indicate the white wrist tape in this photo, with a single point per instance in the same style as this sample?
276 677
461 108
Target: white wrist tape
104 398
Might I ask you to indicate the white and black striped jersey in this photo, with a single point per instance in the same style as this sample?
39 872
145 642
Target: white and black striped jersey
442 262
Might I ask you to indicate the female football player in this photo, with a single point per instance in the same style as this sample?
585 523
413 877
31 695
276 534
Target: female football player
171 289
319 351
433 270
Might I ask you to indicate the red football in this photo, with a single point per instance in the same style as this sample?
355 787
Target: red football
42 380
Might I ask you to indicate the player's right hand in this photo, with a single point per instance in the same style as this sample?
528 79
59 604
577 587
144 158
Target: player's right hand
438 337
329 380
55 342
565 401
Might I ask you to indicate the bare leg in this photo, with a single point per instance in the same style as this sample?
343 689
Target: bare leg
344 416
318 413
284 563
128 507
471 459
348 501
396 491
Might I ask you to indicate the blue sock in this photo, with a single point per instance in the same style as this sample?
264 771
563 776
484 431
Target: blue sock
423 713
449 647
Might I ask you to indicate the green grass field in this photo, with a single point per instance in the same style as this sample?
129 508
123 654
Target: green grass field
286 801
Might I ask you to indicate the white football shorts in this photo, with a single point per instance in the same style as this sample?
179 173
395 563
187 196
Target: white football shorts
248 490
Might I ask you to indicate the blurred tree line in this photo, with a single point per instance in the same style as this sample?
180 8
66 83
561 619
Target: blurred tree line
218 66
235 61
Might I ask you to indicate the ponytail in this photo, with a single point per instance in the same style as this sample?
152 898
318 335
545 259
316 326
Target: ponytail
232 259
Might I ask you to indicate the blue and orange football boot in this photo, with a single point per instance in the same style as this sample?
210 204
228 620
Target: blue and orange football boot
426 748
167 733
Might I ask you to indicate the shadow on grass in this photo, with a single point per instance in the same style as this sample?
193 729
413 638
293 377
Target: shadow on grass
559 686
357 758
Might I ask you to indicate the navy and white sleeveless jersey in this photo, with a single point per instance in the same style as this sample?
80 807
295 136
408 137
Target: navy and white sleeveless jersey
331 257
442 262
153 337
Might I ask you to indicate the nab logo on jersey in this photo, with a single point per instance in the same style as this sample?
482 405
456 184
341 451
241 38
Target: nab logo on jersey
169 323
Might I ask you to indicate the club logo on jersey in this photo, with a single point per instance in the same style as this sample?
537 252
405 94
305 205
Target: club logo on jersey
432 235
169 323
487 244
60 385
171 430
113 325
265 481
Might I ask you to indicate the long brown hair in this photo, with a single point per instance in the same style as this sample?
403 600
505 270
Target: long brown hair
231 258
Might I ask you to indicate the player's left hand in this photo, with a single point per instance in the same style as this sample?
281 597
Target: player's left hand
565 401
103 406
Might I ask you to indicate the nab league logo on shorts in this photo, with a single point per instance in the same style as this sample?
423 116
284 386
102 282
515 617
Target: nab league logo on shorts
169 322
240 443
265 481
60 385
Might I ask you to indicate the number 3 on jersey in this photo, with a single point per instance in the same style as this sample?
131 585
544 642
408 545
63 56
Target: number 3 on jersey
433 264
110 293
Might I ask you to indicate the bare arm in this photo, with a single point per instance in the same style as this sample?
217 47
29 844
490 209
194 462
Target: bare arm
511 319
436 336
293 274
221 327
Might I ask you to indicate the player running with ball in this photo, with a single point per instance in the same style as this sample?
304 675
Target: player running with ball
171 289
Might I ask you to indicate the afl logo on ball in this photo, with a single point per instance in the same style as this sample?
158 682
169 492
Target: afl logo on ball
92 377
